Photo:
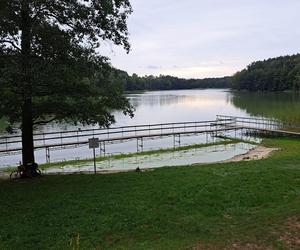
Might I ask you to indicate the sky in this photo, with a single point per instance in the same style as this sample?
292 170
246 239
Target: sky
206 38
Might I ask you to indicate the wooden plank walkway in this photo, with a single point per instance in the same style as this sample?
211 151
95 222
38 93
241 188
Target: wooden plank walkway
121 138
228 123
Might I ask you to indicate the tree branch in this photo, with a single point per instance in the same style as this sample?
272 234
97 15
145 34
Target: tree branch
44 122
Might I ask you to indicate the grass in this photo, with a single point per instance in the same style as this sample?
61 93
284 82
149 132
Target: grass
210 206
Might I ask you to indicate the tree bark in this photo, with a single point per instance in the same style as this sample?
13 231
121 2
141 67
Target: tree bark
27 133
27 118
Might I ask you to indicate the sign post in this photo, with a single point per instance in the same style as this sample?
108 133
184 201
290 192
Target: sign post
93 144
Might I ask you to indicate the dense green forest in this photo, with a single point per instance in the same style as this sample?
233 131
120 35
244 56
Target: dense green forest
136 83
276 74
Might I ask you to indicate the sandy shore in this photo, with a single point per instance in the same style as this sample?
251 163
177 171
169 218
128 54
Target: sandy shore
257 153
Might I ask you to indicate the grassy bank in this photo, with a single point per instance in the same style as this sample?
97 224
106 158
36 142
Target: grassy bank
233 205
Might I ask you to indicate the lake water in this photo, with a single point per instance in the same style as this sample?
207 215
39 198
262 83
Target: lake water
178 106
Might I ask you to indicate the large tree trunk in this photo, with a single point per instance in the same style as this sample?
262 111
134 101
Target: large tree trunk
27 118
27 133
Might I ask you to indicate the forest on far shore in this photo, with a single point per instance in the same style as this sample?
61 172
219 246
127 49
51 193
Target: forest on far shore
162 82
275 74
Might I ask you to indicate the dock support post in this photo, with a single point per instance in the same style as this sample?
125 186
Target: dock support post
47 155
139 146
102 149
176 141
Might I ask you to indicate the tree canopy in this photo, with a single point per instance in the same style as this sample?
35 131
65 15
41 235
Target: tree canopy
276 74
50 67
162 82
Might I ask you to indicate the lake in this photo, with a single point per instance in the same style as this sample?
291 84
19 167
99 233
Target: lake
184 105
197 105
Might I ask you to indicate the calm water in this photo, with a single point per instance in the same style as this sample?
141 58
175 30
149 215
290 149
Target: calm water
182 105
198 105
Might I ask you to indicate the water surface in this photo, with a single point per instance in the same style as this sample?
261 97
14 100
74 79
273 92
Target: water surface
178 106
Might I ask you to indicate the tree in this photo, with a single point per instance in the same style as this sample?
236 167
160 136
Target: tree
275 74
50 67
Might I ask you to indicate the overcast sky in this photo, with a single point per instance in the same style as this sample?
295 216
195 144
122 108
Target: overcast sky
206 38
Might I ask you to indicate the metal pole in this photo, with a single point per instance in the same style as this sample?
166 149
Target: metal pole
94 153
47 155
100 148
174 141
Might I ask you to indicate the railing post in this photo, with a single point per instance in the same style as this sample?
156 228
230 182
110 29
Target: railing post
102 148
47 155
44 139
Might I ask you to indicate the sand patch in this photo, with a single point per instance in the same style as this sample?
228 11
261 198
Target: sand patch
257 153
234 246
291 237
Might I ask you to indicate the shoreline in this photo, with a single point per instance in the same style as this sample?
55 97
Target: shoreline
257 153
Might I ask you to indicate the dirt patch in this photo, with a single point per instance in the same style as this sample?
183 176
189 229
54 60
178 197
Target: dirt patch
233 246
291 236
257 153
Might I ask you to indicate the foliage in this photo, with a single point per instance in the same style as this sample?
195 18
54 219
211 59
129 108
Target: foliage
170 208
137 83
276 74
63 59
3 125
50 68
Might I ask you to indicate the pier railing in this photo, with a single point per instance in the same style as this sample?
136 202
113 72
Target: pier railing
62 139
78 137
260 122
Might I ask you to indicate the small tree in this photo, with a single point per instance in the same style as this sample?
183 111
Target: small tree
50 69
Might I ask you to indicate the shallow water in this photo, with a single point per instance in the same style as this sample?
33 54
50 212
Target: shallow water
177 158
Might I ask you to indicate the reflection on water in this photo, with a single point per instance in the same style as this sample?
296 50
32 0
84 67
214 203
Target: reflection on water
198 105
284 106
179 105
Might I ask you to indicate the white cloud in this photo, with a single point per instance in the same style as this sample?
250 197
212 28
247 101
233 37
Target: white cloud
192 33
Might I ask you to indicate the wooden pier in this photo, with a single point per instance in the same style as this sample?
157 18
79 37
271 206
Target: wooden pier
214 128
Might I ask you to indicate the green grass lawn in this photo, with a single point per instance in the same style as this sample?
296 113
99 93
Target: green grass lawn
234 205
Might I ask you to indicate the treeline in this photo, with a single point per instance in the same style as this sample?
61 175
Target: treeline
276 74
136 83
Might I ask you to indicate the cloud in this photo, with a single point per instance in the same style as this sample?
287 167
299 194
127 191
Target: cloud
197 35
153 67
